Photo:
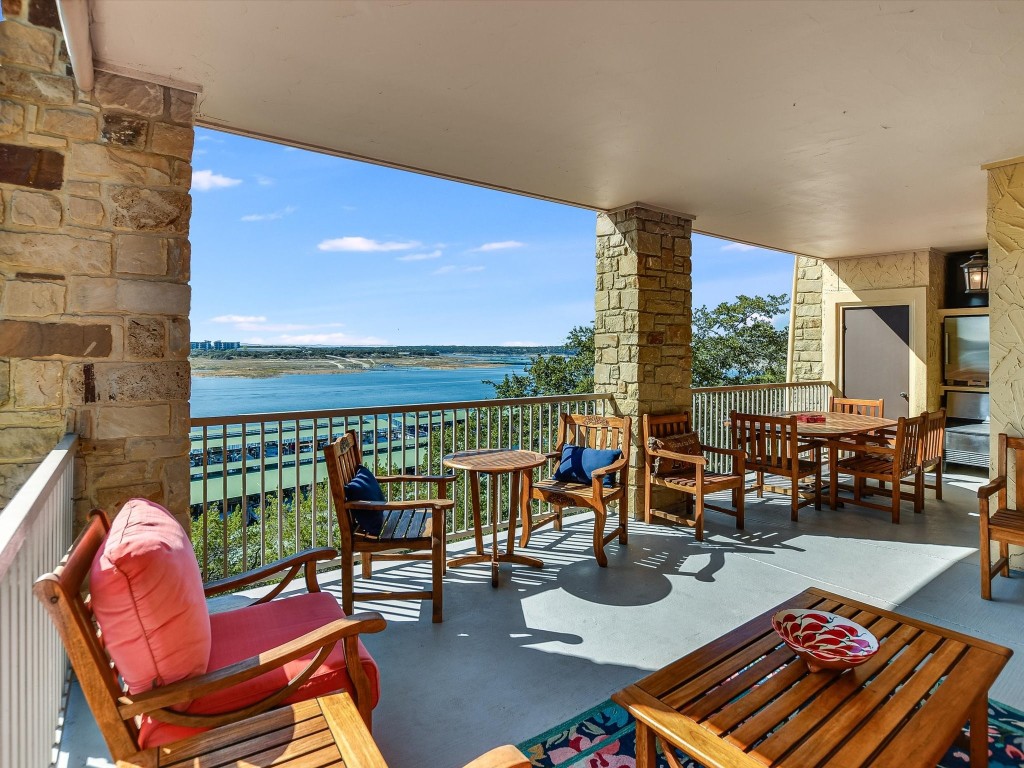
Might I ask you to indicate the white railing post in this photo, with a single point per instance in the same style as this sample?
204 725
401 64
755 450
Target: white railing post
35 533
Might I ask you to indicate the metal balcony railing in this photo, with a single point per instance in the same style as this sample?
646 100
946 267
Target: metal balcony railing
35 533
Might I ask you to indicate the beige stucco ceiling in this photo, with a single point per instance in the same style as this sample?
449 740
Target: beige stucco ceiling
825 128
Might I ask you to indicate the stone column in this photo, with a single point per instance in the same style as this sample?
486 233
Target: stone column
643 324
806 363
1006 306
94 270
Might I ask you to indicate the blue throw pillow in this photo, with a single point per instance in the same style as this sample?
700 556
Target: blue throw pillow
364 487
577 464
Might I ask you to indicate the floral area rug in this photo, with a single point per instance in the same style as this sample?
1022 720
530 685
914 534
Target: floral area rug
604 737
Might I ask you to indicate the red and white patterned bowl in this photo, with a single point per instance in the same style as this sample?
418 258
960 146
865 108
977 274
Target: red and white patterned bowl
824 640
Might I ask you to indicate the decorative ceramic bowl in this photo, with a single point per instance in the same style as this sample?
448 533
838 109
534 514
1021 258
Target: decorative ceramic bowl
824 640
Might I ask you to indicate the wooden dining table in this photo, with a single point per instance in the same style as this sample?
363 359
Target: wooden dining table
495 462
836 424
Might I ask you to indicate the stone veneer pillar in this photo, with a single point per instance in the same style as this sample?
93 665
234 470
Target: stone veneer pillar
642 328
1006 306
94 270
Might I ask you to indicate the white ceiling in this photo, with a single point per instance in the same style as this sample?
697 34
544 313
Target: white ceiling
824 128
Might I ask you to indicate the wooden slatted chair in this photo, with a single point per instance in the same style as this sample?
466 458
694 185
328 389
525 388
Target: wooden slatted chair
933 447
125 718
602 432
1005 525
688 473
859 407
771 445
410 530
888 463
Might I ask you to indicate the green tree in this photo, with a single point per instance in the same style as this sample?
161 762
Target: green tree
738 342
568 374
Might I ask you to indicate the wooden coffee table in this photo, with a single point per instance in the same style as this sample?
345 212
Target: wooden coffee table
495 462
745 699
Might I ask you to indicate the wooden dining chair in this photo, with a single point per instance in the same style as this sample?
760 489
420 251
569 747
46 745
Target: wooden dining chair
772 446
674 458
374 528
858 407
1005 525
888 459
607 484
933 453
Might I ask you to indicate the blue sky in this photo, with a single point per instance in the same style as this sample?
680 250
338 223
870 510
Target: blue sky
294 247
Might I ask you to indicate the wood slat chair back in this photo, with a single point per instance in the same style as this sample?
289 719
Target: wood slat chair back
1005 525
62 594
688 476
772 445
857 406
933 451
412 530
591 431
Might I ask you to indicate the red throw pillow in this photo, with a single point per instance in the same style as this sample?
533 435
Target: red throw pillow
147 595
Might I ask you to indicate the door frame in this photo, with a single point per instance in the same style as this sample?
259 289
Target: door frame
832 351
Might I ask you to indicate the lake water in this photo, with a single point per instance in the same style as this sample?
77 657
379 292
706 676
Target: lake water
225 396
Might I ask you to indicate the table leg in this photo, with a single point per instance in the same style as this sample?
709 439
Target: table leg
646 753
494 481
474 492
979 732
515 502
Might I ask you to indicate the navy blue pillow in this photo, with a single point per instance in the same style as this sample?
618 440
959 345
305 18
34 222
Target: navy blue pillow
577 464
364 487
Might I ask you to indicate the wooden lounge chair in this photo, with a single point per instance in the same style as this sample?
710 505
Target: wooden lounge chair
772 445
1005 525
168 711
404 529
608 483
687 472
867 459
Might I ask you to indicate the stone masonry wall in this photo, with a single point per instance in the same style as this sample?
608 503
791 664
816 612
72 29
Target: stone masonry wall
643 313
1006 304
807 320
94 270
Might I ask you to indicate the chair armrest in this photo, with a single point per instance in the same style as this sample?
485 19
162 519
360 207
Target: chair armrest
992 486
369 506
734 452
191 688
615 466
307 557
417 479
505 756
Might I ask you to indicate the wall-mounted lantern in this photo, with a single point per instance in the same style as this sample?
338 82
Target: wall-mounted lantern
976 274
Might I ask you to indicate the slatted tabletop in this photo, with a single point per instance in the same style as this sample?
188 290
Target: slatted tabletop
745 699
837 424
494 460
321 733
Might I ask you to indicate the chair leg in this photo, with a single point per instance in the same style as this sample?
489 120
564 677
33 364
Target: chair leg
919 493
647 498
985 550
367 563
437 568
1004 555
794 500
698 514
833 479
896 498
527 523
557 525
759 479
938 480
738 498
347 577
817 487
600 515
624 518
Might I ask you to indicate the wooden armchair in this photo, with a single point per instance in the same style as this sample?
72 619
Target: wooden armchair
869 459
860 407
601 432
687 472
131 723
409 529
1005 525
772 445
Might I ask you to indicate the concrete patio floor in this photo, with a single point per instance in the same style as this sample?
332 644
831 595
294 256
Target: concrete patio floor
511 662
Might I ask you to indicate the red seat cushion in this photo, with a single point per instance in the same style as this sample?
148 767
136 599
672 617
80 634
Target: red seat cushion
147 595
246 632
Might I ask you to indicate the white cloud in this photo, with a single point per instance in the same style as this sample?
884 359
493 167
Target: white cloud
333 339
419 256
500 245
270 216
238 319
202 135
207 180
449 269
473 269
738 247
264 181
444 270
365 245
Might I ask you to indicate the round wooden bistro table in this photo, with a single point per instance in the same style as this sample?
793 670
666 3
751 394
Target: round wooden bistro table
494 462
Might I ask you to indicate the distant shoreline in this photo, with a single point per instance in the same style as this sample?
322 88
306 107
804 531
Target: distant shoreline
266 368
